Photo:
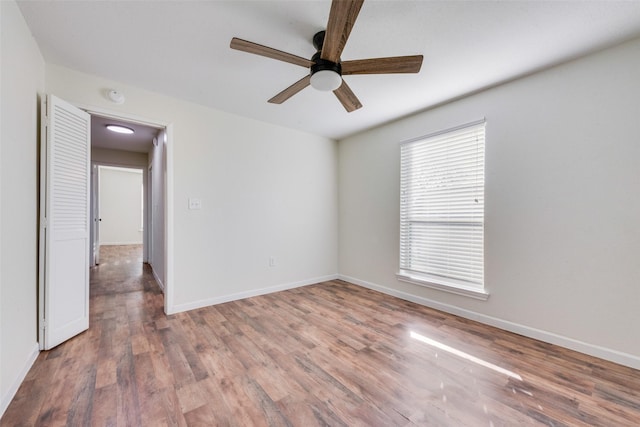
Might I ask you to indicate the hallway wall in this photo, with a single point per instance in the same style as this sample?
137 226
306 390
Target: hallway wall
106 156
157 224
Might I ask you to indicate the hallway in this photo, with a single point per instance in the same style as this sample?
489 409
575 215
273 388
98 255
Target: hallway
121 270
91 379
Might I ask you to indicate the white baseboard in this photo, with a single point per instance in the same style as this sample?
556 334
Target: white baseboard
248 294
155 276
549 337
15 385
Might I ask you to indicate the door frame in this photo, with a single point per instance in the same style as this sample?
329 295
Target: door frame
168 196
149 213
94 201
95 198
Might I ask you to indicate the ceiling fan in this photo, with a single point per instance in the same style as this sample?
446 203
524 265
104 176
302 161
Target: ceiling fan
326 68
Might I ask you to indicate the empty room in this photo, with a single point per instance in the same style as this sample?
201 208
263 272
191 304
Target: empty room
338 212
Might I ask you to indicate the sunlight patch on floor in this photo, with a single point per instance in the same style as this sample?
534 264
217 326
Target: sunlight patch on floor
464 355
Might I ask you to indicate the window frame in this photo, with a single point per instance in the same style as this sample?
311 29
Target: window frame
472 288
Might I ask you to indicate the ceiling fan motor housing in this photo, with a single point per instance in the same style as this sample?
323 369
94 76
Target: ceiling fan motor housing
318 40
319 63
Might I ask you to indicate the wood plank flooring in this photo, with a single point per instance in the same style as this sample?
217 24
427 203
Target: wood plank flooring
331 354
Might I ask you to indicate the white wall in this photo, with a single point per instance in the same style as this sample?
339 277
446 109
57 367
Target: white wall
106 156
265 191
120 206
21 83
562 204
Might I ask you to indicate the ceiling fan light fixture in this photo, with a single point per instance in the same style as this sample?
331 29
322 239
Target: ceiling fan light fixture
120 129
325 65
326 80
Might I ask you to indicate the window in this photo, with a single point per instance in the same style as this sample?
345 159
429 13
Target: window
442 210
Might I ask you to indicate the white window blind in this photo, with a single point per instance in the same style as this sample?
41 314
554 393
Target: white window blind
442 208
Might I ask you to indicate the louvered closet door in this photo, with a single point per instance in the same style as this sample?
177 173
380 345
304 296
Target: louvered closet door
65 225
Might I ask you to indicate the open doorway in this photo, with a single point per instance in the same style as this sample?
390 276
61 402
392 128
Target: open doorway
119 266
121 202
125 201
71 148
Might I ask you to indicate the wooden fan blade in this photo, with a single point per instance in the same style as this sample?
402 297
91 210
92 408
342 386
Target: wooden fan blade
342 16
390 65
258 49
347 98
291 90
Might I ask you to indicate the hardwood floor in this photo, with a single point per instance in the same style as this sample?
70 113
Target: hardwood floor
328 354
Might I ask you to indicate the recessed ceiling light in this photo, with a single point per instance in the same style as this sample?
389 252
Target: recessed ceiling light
119 129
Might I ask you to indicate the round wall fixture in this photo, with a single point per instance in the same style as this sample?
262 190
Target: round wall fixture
115 96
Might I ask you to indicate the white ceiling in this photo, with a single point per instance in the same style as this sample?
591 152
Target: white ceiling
181 49
140 141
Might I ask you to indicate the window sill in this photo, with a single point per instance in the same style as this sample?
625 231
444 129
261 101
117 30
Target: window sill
467 291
